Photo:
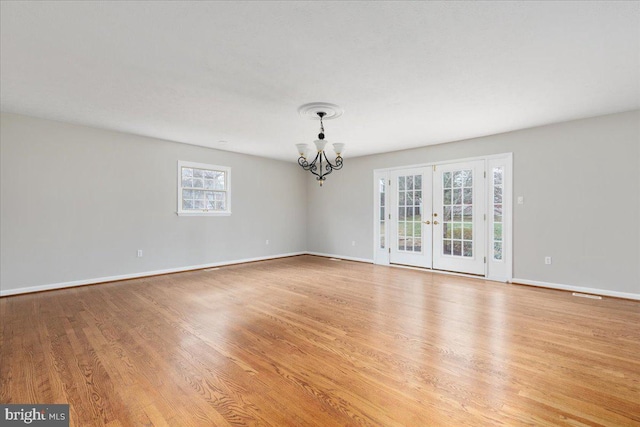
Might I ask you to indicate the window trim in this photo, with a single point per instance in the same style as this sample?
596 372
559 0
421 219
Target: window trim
204 212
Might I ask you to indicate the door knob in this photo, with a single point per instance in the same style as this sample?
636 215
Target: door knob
435 214
435 223
427 222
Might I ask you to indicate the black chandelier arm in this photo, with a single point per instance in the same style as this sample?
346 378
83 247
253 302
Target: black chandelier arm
316 166
302 161
313 166
330 167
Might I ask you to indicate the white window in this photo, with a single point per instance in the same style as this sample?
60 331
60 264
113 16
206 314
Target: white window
203 189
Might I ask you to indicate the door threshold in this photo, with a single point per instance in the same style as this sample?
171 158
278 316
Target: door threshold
432 270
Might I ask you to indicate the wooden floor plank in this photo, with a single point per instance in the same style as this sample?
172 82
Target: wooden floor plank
306 341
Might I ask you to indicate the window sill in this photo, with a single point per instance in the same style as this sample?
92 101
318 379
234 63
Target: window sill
203 213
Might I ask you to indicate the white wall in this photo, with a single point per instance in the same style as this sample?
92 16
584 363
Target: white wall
77 202
580 181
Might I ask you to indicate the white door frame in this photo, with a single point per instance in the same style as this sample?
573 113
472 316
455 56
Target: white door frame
497 268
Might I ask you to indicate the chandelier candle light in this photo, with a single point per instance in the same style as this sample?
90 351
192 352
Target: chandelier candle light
320 166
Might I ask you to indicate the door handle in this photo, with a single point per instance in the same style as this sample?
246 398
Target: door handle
435 214
435 223
427 222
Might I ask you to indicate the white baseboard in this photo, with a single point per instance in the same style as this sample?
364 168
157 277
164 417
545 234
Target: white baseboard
62 285
581 289
348 258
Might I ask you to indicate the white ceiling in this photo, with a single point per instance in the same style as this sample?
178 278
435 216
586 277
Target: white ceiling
406 73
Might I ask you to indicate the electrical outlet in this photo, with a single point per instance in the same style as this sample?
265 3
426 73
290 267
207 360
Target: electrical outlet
547 260
520 200
266 242
139 253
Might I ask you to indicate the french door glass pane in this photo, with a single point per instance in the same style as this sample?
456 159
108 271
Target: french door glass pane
457 218
498 189
382 189
409 213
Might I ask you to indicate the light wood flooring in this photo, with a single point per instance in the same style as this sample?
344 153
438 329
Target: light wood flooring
307 341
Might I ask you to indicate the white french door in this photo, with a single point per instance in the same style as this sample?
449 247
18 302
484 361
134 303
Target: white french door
433 217
410 231
459 217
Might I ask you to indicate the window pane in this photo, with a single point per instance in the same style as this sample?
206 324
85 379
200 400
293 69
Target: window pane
198 173
220 181
497 176
446 213
457 230
447 197
446 180
456 199
457 213
468 214
446 230
187 204
417 229
497 251
457 248
467 231
187 173
446 247
467 249
208 174
408 245
408 229
401 183
468 178
497 232
410 183
187 194
417 244
198 183
468 196
187 182
497 195
497 213
457 179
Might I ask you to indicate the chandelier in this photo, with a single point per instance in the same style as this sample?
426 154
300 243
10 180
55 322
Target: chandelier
320 166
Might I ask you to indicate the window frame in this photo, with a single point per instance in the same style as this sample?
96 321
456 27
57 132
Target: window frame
227 190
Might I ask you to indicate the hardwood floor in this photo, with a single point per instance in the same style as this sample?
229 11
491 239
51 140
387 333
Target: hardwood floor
307 341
